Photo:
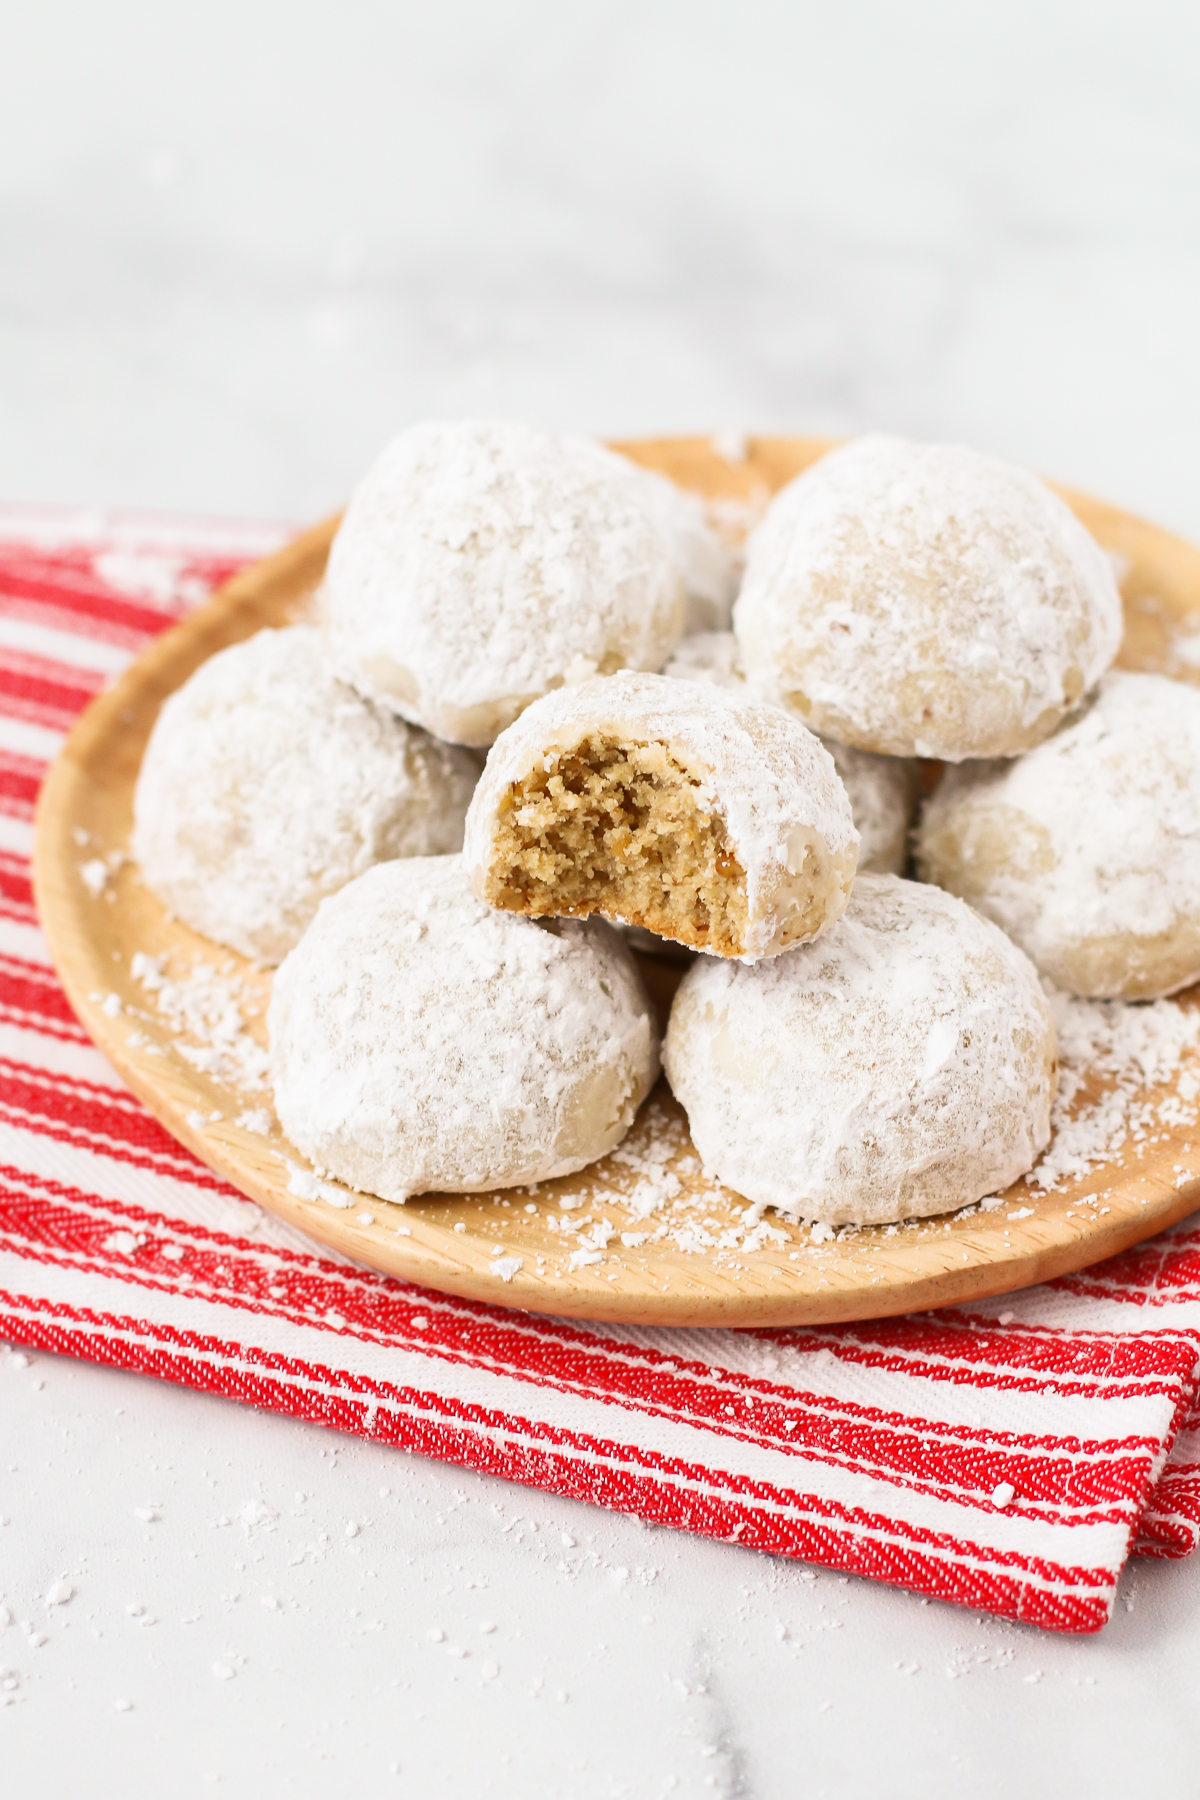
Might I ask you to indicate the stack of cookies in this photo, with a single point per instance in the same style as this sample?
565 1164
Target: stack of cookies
726 781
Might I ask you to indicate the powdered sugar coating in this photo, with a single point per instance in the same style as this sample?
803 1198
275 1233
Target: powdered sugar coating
710 657
422 1042
883 796
267 784
1087 850
882 789
480 565
774 785
924 600
711 569
901 1066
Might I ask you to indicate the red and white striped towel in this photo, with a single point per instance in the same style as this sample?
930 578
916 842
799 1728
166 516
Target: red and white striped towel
1008 1456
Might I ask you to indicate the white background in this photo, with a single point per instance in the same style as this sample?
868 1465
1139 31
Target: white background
240 243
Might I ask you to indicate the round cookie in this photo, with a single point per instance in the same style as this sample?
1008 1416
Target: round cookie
1087 850
693 811
923 600
480 565
711 570
883 799
882 789
267 784
901 1066
421 1041
707 656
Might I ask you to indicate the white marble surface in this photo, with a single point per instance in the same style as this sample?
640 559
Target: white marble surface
240 243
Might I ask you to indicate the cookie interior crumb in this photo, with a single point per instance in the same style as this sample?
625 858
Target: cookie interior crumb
619 826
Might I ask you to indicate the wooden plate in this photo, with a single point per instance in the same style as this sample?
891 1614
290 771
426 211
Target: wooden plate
562 1249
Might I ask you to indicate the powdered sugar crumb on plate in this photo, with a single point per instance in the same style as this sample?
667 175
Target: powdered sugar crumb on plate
206 1007
308 1186
1129 1049
257 1120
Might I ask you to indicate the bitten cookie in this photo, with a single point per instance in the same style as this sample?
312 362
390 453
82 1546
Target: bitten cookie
882 789
923 600
422 1041
692 811
480 565
1087 850
267 784
901 1066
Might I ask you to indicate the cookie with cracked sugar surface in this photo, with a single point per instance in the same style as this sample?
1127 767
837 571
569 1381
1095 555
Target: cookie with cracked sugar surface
421 1041
695 812
925 600
481 564
882 789
267 784
1087 850
902 1066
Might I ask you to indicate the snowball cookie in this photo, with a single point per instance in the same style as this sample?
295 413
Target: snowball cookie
923 600
903 1065
883 799
1087 851
711 570
882 789
480 565
692 811
707 656
420 1040
267 783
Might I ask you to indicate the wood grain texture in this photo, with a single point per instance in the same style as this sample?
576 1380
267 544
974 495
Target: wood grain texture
449 1241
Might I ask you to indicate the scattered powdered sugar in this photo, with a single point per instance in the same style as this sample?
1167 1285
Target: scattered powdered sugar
95 873
206 1007
668 1196
656 1184
257 1120
1133 1049
308 1186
